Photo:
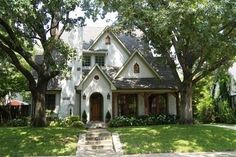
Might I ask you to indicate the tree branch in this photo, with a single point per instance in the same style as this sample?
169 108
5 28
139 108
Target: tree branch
17 47
211 69
17 64
64 26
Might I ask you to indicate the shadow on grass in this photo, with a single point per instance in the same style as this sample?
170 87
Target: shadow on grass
176 138
27 141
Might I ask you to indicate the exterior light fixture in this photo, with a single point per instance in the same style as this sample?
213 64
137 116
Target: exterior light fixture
84 96
108 96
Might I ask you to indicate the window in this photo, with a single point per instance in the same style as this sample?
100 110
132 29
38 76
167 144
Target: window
107 40
136 68
50 101
158 104
99 60
127 104
86 61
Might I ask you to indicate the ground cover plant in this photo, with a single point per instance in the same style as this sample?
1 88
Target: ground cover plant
176 138
27 141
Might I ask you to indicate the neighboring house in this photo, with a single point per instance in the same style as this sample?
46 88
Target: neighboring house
232 87
108 73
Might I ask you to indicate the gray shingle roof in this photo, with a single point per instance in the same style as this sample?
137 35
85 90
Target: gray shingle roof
143 83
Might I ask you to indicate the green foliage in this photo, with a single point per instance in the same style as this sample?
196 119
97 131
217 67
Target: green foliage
205 109
11 80
84 117
71 121
108 116
225 113
121 121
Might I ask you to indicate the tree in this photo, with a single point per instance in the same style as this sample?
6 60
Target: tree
26 23
195 37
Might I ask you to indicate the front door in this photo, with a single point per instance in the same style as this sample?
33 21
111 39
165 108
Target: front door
96 107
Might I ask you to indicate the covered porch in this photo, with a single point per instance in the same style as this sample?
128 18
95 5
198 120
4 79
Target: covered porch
145 102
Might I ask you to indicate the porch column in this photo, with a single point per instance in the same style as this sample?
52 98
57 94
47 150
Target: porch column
114 104
146 106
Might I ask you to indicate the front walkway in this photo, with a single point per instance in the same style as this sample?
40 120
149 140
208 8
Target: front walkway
97 141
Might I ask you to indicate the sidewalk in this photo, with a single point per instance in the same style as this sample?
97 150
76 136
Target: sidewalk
232 127
202 154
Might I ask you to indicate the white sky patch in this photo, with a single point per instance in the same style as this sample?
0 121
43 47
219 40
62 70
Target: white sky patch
109 19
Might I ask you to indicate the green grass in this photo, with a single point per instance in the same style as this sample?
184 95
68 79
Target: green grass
176 138
26 141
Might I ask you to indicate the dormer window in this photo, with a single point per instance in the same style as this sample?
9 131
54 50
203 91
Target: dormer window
86 61
100 60
108 40
136 68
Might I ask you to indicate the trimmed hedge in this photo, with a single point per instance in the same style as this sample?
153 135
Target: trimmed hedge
142 120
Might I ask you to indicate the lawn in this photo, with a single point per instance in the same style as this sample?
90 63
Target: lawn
26 141
176 138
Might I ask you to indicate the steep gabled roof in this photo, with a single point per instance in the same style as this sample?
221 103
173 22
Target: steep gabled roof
80 86
143 59
108 29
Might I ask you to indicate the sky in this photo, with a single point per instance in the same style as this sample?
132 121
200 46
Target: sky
109 19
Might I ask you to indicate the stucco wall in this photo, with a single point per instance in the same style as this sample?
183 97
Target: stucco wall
128 72
116 55
172 104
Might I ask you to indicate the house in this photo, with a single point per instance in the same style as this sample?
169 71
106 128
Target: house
232 86
110 73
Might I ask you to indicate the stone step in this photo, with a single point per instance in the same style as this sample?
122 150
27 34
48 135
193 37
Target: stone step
97 134
94 125
95 147
97 153
109 141
98 138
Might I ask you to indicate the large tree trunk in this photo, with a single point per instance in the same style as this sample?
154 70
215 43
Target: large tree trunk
38 106
186 112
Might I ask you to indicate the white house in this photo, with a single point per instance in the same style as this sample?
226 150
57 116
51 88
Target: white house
232 89
110 73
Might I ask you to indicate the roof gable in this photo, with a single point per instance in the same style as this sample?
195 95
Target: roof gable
101 35
127 70
96 67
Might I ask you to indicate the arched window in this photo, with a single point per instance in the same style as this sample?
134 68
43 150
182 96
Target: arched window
107 40
70 110
136 68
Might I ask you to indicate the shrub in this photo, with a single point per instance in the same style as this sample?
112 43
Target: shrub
24 121
142 120
71 121
225 113
205 107
108 117
77 124
84 117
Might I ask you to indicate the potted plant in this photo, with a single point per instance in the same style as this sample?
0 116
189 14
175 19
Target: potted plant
84 117
108 117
